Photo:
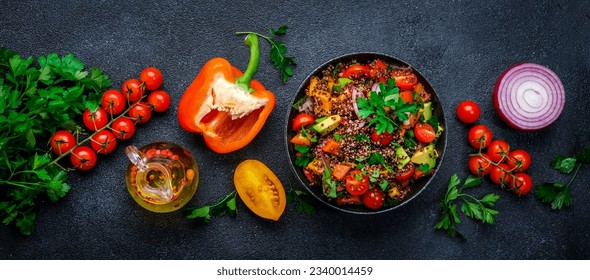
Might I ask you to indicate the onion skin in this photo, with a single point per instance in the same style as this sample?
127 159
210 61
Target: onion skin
543 74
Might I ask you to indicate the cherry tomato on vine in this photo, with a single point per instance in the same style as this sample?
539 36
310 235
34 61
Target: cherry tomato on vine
382 139
356 183
519 160
405 173
424 132
123 128
468 111
133 90
522 184
95 120
140 112
151 78
406 82
498 150
113 102
103 142
356 70
62 141
83 158
480 136
374 198
479 166
301 120
159 100
500 175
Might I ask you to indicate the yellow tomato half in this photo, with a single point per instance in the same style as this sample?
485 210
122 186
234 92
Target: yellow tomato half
260 189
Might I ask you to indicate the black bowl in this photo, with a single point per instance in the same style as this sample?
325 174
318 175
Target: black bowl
419 185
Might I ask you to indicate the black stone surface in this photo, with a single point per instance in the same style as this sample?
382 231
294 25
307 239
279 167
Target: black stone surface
460 46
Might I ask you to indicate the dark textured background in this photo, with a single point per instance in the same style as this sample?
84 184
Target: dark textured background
460 46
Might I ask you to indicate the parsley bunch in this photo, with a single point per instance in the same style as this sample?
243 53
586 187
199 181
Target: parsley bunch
375 107
479 209
35 101
558 194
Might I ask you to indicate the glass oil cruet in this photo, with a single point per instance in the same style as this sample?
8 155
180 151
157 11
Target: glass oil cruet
162 176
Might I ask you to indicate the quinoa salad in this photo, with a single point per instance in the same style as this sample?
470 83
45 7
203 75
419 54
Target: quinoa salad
365 133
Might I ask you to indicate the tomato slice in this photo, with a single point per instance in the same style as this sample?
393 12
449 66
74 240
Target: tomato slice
406 82
356 70
407 96
357 183
301 120
383 139
424 132
378 69
260 189
406 173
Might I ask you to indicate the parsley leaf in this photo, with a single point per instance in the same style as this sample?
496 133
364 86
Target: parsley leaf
304 203
563 164
225 205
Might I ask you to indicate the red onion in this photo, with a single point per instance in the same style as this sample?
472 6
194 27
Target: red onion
376 87
307 106
528 96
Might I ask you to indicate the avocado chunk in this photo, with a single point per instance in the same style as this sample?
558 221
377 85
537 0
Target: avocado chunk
427 112
402 157
426 155
327 125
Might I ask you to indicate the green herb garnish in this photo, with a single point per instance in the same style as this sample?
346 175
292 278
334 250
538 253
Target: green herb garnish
226 205
304 203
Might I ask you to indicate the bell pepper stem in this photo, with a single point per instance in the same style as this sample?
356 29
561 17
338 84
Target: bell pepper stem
244 81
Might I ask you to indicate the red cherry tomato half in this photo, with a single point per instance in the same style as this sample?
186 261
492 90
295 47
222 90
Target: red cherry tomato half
424 132
519 160
133 90
151 78
468 111
113 102
302 120
382 139
378 69
62 141
374 198
498 150
103 142
95 120
123 128
480 136
500 175
140 112
83 158
356 183
356 70
159 100
479 165
522 184
406 82
405 173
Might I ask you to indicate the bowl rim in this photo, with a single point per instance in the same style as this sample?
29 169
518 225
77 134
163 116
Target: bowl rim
350 56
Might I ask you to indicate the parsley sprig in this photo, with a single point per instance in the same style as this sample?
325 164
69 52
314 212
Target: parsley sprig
225 205
557 194
278 49
479 209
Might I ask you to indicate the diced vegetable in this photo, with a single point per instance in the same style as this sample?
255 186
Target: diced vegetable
340 171
332 147
299 139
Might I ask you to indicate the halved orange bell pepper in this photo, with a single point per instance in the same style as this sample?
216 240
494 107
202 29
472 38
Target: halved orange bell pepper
226 106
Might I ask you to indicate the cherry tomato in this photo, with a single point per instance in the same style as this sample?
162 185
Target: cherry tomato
356 70
424 132
95 120
113 102
468 111
480 136
301 120
140 112
498 150
374 198
260 189
405 173
382 139
159 100
522 184
133 90
123 128
62 141
377 69
519 160
500 175
151 78
103 142
406 82
83 158
479 166
407 96
356 183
